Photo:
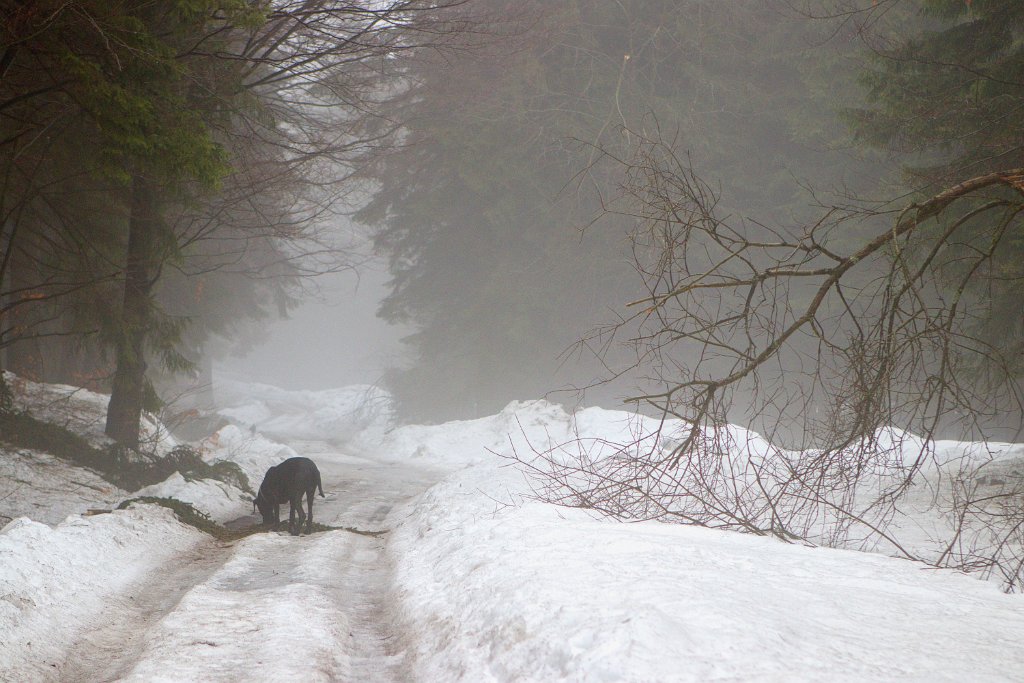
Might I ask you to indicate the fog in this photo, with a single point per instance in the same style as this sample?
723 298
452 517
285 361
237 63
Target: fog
332 339
751 115
542 190
750 265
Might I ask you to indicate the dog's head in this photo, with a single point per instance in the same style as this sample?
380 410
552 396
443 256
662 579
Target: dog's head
265 507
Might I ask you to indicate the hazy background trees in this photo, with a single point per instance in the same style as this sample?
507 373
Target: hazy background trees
946 101
481 213
482 143
209 138
853 338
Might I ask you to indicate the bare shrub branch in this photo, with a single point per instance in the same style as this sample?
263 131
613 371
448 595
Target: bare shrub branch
854 339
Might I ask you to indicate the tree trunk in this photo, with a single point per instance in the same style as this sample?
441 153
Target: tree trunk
6 246
23 353
127 393
6 250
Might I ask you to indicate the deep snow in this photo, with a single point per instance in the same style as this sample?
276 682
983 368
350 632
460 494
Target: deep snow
476 581
55 582
500 587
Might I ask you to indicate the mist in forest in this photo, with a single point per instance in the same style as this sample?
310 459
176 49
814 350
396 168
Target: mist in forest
547 174
586 201
332 339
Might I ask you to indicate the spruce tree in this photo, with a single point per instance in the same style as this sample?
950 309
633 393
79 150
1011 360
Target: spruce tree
945 100
481 212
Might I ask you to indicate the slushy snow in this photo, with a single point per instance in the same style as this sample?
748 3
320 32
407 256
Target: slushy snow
490 584
54 581
499 587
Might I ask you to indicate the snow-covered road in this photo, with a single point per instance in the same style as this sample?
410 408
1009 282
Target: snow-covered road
270 605
475 580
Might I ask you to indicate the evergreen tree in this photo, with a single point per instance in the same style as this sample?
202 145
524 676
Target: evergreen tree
480 213
217 134
93 107
153 112
946 101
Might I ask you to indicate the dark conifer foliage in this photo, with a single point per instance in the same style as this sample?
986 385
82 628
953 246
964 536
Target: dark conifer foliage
197 136
946 101
481 212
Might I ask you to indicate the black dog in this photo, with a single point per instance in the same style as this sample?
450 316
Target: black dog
286 483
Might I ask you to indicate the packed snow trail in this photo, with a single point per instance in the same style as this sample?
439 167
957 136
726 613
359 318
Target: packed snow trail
117 636
272 607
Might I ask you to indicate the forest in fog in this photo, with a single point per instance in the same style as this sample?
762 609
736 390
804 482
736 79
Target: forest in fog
789 212
656 270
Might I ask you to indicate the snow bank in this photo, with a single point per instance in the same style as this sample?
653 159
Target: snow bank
333 415
47 489
614 460
82 412
78 410
55 581
38 490
219 501
499 589
523 427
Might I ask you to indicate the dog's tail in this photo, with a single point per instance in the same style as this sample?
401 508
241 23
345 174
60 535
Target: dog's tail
319 485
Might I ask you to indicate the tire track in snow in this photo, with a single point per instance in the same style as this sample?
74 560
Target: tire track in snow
364 494
117 638
271 607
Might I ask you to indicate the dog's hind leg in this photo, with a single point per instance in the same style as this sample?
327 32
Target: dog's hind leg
293 507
